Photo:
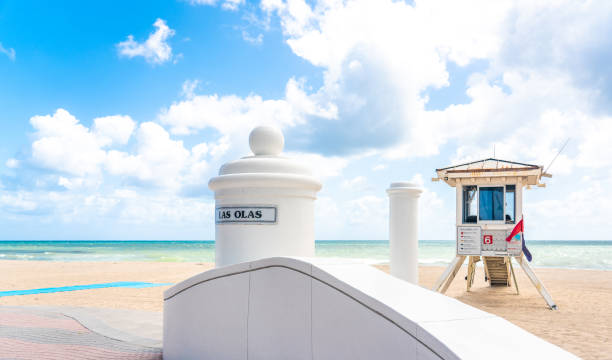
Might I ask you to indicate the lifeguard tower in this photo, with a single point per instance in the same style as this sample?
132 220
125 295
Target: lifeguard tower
489 205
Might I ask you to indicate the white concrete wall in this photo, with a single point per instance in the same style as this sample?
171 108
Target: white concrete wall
284 308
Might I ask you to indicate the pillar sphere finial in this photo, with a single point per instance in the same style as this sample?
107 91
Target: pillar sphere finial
266 140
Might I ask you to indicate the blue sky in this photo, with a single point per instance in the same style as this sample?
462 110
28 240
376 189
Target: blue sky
114 115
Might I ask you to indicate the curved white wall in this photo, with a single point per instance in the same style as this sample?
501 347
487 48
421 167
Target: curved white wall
284 308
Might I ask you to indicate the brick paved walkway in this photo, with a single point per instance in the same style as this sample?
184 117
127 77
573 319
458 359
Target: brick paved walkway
29 334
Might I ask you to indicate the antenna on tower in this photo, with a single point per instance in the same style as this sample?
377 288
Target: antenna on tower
559 153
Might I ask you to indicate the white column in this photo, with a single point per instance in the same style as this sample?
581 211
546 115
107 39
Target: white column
264 204
403 230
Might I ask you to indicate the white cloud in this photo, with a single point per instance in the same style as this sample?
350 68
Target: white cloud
595 147
380 57
12 163
358 183
226 114
189 87
254 40
115 208
63 144
368 210
582 212
70 184
17 202
322 167
377 58
158 159
10 52
115 129
88 177
225 4
203 2
232 4
155 49
232 114
527 123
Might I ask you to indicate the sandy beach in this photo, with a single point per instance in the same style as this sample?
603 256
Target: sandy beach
582 325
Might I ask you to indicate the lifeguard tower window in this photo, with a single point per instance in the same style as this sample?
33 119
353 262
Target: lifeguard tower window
470 204
510 207
491 202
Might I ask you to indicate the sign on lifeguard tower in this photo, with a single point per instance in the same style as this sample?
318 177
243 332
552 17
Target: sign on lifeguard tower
489 207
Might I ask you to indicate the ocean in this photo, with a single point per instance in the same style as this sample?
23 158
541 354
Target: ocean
553 254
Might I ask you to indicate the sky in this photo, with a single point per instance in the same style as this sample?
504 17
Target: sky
114 115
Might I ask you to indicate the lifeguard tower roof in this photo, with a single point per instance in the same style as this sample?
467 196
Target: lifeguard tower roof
492 170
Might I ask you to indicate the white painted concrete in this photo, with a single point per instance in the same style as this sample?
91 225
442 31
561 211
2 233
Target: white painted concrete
287 308
403 230
269 299
208 321
266 140
282 189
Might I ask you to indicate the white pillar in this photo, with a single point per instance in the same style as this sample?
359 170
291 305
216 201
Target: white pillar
264 204
403 230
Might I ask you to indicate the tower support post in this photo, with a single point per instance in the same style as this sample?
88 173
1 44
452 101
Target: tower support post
536 282
449 274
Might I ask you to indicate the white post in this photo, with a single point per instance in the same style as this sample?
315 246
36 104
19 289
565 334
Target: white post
403 230
264 204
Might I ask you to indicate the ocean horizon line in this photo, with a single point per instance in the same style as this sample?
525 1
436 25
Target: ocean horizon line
318 240
576 254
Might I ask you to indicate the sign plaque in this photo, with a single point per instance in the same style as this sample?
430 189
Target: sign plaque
468 240
266 214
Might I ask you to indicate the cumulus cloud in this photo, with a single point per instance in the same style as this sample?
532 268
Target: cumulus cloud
189 87
115 129
582 212
10 52
12 163
114 169
155 49
157 159
63 144
254 40
378 59
233 116
17 203
323 167
371 211
225 4
382 60
358 183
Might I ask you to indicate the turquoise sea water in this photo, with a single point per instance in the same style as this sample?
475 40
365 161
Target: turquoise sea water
558 254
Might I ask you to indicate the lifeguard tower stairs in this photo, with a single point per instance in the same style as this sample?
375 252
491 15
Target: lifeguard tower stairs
497 270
